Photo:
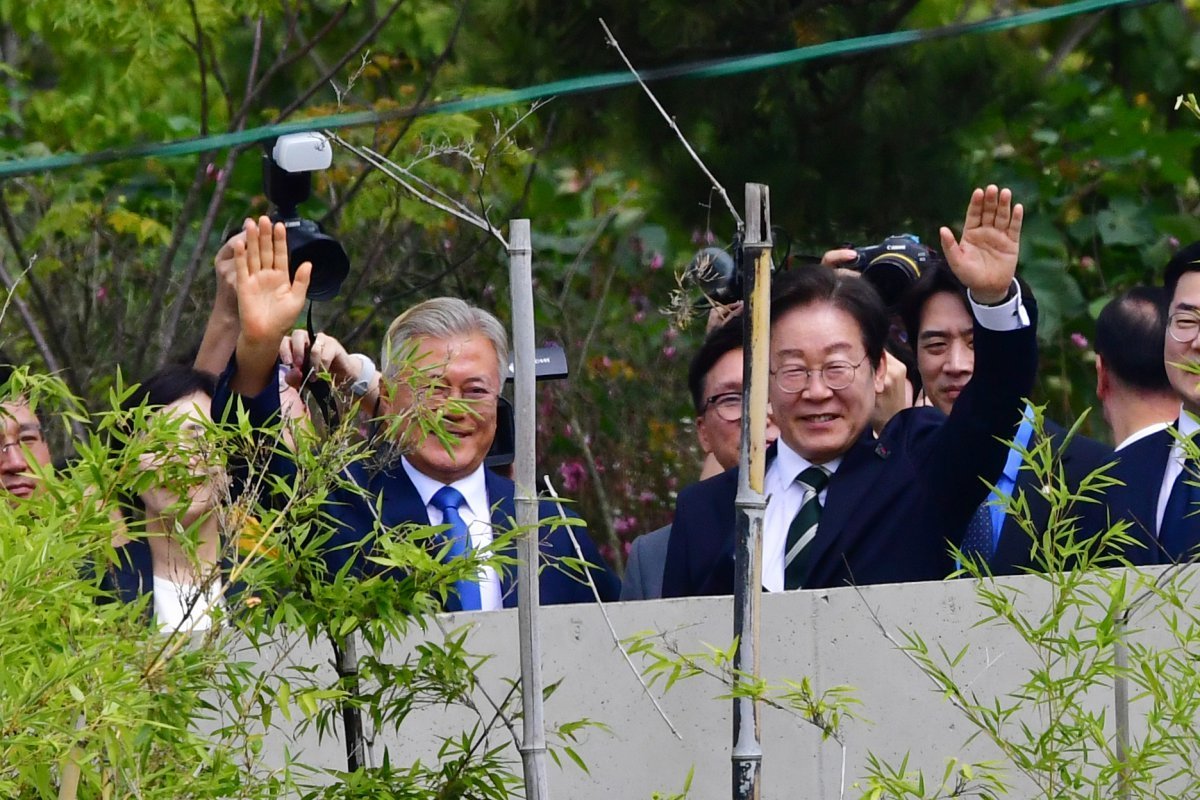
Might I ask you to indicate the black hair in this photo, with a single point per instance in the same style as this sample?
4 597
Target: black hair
938 278
1186 260
848 293
717 343
1130 333
170 384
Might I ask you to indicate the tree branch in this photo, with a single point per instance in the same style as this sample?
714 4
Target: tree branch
612 40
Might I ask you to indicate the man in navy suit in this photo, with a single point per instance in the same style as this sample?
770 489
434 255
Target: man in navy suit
715 383
463 350
1131 380
844 507
1159 497
937 319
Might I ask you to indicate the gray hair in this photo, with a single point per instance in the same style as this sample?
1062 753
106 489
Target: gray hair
442 317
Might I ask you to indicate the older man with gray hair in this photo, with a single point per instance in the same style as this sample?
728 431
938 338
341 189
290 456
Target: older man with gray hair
461 353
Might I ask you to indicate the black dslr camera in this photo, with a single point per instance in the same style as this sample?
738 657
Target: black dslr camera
893 265
288 165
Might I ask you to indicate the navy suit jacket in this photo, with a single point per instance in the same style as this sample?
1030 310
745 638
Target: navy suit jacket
896 503
352 515
1140 468
1081 457
644 571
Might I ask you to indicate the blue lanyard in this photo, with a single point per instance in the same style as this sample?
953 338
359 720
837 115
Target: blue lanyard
1008 480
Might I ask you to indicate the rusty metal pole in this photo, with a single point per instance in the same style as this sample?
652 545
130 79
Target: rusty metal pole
751 503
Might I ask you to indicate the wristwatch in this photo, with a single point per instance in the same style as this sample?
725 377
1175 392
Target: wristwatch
366 374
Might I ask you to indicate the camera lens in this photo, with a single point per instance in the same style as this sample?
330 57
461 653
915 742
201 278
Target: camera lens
891 274
330 265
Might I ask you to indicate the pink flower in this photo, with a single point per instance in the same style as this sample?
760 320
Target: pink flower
1079 340
1173 242
647 497
656 261
102 293
573 475
624 525
669 351
639 316
1087 263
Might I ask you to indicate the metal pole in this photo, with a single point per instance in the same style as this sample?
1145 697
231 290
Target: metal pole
346 655
751 504
533 742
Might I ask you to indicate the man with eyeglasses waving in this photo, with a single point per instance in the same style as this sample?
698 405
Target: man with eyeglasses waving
1160 496
845 507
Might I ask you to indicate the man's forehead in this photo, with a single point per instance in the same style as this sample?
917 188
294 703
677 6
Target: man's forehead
17 412
474 352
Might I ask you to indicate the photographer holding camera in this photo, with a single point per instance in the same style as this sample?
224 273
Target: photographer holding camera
464 350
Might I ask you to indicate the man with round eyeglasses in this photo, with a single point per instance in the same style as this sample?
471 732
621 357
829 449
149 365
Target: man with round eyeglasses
1161 495
844 507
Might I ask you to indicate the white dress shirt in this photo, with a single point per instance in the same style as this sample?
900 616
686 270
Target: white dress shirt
784 497
185 606
1188 426
476 512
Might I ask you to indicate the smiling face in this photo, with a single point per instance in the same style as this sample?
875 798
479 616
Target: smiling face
23 447
206 480
945 349
817 422
1183 359
466 367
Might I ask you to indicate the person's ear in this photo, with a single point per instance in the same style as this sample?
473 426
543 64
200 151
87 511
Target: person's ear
1103 379
880 376
702 435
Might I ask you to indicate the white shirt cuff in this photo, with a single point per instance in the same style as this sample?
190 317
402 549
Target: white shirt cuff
1008 316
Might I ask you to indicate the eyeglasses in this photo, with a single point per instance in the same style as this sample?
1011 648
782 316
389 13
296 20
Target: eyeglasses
1182 326
26 440
728 406
792 378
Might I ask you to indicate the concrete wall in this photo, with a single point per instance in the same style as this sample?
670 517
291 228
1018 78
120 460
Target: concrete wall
829 636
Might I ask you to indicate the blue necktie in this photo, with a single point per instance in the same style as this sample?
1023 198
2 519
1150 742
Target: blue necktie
979 539
1180 524
447 500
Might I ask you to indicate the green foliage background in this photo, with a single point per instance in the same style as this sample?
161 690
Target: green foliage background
111 267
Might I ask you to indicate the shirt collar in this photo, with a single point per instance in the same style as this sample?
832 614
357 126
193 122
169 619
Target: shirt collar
792 463
473 487
1188 425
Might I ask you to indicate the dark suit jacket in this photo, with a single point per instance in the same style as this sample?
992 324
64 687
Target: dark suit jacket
895 504
1140 468
644 570
1081 457
351 515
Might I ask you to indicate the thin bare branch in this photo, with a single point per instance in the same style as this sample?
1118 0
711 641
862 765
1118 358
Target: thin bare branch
408 181
361 44
599 604
612 40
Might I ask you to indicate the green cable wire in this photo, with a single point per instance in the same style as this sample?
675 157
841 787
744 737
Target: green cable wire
588 83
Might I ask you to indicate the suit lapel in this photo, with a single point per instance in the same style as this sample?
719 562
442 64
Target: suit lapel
860 469
504 514
401 500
